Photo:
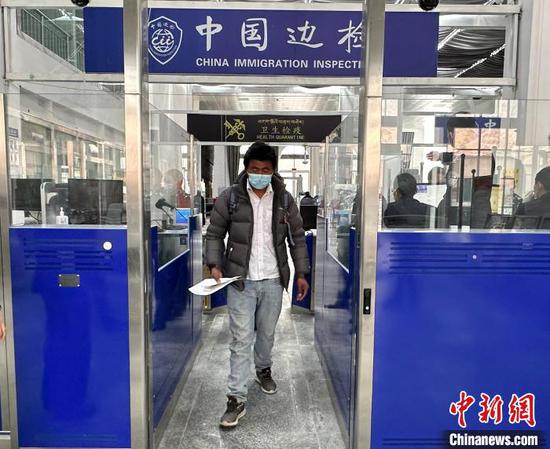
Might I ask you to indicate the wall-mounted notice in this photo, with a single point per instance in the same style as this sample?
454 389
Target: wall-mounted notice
268 128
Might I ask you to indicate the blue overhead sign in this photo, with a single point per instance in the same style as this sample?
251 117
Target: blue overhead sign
482 123
262 42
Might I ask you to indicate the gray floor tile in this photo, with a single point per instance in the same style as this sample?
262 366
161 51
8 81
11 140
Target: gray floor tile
299 416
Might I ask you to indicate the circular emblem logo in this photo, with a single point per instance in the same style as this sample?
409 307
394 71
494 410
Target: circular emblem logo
165 37
163 40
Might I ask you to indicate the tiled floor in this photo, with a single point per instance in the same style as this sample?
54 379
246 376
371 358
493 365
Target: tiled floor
299 416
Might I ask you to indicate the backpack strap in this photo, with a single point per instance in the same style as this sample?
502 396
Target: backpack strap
286 200
286 206
232 202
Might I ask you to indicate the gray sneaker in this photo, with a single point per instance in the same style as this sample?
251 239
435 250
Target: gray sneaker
235 411
267 384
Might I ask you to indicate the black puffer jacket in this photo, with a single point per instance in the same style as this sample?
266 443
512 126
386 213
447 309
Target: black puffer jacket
239 224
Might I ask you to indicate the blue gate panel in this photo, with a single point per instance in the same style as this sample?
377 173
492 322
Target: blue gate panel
172 338
218 299
458 312
71 343
334 319
306 302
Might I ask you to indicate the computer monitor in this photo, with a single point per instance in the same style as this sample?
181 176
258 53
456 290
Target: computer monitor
525 222
182 216
544 222
498 221
26 194
92 201
110 195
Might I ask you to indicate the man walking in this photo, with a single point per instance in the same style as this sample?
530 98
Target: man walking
260 216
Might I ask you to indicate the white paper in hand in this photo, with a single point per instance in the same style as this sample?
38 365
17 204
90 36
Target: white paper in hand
208 286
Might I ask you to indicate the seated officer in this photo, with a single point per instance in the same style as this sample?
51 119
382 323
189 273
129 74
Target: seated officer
405 211
437 175
540 205
479 167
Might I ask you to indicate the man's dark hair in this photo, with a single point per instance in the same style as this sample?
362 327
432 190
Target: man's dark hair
260 151
406 184
543 177
460 122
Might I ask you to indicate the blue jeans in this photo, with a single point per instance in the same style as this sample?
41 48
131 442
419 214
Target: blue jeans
258 305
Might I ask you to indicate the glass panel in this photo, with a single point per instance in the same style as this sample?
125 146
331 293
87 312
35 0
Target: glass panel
65 148
60 31
466 164
317 156
175 199
60 171
48 124
36 147
172 175
341 188
335 272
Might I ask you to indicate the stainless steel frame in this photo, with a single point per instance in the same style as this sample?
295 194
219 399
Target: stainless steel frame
325 171
5 219
477 16
193 180
9 433
265 80
446 9
370 123
139 221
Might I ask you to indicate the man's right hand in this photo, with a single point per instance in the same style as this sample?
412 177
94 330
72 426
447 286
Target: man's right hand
217 274
433 156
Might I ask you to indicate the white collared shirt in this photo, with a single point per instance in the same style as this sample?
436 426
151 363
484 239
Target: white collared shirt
263 262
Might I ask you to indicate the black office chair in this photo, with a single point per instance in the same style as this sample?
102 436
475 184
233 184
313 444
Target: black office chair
407 221
525 222
498 221
116 214
545 222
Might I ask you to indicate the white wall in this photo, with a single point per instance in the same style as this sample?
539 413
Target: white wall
26 57
533 74
172 99
220 175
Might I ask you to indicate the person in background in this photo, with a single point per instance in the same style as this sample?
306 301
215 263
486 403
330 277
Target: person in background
156 194
539 206
260 216
405 211
200 205
2 325
479 167
437 176
308 200
173 189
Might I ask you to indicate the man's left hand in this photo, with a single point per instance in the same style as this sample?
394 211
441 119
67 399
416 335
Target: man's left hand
303 288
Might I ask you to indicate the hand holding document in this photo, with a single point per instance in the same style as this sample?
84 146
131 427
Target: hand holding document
208 286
